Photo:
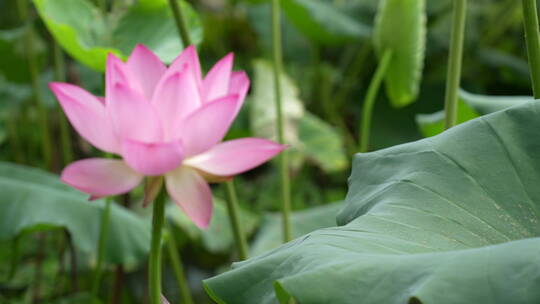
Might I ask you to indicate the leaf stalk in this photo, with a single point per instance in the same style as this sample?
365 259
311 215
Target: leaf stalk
234 219
369 100
454 63
532 38
284 156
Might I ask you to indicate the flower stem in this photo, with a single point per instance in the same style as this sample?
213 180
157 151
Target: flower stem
369 100
454 63
60 75
103 233
154 266
234 218
180 22
283 157
532 37
178 269
46 145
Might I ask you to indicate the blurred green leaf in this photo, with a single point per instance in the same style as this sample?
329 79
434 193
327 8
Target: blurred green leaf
218 238
486 104
309 136
270 234
34 200
12 96
13 57
88 36
322 22
400 27
262 103
263 109
321 143
456 211
470 106
433 124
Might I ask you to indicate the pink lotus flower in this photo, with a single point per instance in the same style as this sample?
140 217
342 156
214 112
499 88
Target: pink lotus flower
162 121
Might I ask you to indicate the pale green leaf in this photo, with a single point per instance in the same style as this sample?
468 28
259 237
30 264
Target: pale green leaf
400 27
88 36
322 143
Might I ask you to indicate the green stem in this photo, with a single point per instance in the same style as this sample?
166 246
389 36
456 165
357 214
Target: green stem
103 233
154 266
283 158
60 75
46 145
234 218
369 100
532 36
178 269
454 63
180 21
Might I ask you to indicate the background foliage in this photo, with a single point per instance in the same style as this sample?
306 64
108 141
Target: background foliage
330 53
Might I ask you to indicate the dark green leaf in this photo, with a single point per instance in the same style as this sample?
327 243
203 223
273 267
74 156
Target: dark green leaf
453 218
13 57
34 200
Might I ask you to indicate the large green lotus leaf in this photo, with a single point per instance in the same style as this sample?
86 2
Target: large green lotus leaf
323 22
33 199
88 36
400 27
470 106
270 234
453 218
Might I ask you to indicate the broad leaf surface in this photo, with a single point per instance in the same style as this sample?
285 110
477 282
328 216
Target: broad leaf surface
400 27
470 106
449 219
87 35
34 200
